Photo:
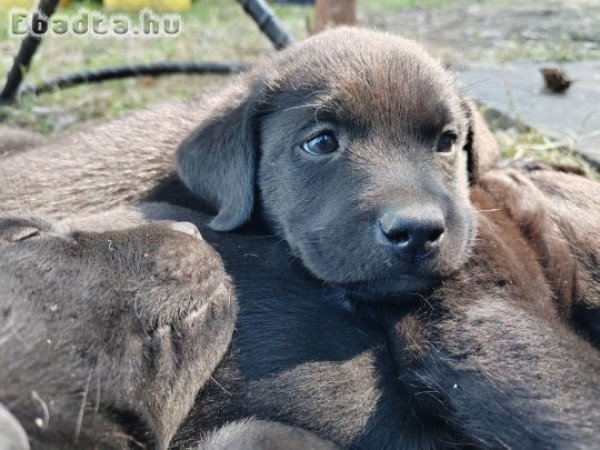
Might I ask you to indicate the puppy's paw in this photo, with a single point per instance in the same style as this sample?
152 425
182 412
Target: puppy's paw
187 228
255 434
21 228
12 434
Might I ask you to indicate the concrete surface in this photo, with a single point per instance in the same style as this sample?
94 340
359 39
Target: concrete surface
517 91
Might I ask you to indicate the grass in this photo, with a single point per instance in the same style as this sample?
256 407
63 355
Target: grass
516 144
214 30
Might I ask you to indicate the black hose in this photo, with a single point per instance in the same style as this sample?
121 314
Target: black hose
267 22
29 46
152 69
259 10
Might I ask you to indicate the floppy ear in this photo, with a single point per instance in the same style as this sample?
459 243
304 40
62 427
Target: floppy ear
481 146
217 161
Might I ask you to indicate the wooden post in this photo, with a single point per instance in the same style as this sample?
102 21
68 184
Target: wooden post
334 12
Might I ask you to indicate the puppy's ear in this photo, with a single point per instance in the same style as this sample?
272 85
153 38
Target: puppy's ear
217 161
481 146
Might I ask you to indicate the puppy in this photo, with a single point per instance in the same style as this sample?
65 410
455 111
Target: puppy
349 133
106 338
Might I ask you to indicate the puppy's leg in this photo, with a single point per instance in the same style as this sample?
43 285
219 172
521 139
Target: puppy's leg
97 168
107 336
12 434
262 435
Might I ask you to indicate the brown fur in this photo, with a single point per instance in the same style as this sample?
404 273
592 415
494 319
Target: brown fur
508 316
95 169
387 103
106 337
499 327
567 228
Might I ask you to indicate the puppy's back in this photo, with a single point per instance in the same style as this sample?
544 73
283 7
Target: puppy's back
97 168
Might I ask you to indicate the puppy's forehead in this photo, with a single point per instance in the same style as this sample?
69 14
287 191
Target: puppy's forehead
368 79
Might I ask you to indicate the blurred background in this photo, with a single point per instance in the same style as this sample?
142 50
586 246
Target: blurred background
497 48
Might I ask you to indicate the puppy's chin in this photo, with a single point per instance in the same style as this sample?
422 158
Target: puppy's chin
386 290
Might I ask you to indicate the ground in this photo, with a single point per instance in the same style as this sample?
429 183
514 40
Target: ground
458 31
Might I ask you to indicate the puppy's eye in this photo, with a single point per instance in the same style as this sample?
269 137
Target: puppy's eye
446 141
322 144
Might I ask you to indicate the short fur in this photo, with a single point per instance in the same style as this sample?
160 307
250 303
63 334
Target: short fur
262 435
487 361
106 337
557 208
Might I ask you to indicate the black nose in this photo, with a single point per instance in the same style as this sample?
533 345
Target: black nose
415 233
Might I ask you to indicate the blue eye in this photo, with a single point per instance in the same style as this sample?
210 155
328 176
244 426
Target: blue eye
322 144
446 141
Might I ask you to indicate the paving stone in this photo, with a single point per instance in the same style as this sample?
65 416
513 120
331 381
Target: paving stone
517 91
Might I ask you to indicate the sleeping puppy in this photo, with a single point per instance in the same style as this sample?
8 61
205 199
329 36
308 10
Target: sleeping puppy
106 338
351 133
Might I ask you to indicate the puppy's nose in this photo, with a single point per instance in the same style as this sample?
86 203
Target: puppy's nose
413 234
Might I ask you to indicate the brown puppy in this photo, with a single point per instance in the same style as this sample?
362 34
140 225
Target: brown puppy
559 211
350 133
347 134
106 337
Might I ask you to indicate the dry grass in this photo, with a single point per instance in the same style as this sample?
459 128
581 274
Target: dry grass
517 144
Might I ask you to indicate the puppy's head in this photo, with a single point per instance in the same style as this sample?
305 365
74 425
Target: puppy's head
96 324
357 148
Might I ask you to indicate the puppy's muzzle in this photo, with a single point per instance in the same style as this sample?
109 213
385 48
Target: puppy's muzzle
413 234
